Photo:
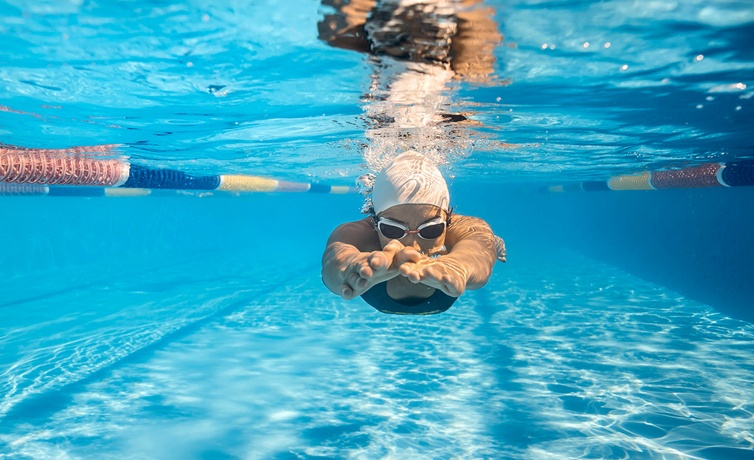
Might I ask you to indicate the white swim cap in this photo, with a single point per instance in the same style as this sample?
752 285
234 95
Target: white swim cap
409 179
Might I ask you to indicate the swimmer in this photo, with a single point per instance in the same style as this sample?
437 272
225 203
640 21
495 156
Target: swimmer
412 255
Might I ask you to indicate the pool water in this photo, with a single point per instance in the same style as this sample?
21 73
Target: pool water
219 341
196 325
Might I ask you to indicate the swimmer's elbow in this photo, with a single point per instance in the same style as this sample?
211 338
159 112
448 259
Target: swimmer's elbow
480 276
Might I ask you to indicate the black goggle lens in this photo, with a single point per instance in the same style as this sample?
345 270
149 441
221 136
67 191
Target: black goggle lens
391 231
431 232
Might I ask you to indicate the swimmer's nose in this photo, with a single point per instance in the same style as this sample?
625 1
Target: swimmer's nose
413 242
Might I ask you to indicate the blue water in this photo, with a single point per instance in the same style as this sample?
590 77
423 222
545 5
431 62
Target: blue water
197 326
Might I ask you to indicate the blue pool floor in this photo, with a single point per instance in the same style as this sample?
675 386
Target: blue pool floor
557 357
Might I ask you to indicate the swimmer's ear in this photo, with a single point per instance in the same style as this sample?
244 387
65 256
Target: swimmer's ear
373 215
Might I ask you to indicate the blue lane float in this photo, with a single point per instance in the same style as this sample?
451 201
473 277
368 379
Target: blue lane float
594 186
141 177
737 173
319 188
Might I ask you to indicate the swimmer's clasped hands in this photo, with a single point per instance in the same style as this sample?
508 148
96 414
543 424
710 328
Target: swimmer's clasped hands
440 273
369 269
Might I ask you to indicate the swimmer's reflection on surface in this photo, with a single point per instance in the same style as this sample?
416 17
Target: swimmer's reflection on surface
416 50
459 35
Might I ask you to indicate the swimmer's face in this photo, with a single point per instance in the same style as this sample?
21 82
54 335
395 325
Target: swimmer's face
412 216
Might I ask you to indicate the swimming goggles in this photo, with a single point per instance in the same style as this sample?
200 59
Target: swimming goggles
395 230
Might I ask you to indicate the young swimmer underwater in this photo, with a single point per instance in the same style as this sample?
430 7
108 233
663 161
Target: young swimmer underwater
412 255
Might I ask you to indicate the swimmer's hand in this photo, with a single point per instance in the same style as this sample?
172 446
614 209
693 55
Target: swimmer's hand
440 273
367 269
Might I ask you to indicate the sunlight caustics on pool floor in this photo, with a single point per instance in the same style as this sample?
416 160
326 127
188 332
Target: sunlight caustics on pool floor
558 357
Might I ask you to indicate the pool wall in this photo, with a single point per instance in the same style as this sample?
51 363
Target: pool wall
697 242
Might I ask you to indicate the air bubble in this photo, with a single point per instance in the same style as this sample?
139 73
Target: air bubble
728 88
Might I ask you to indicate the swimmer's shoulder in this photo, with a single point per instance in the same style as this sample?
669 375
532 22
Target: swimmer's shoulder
464 226
359 233
465 223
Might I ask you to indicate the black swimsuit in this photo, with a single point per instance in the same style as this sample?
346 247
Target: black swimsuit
378 298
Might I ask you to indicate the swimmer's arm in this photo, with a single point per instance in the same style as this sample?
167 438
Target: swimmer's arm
472 248
347 242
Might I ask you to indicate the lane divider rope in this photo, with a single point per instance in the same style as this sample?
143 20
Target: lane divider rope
739 173
58 173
